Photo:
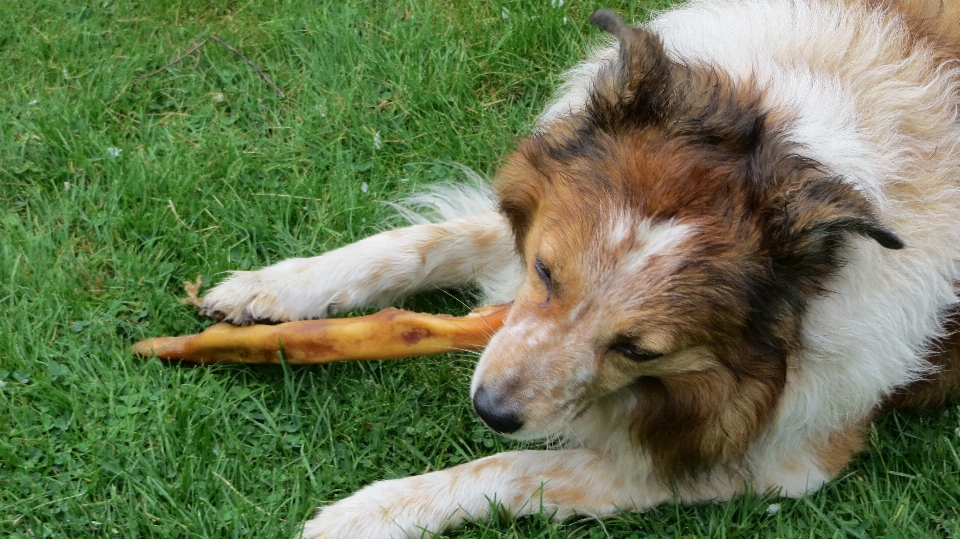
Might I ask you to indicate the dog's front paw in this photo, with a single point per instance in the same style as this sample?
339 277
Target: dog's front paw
412 508
348 519
331 523
245 298
295 289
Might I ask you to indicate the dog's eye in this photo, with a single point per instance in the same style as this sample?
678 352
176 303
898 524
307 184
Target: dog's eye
543 272
633 353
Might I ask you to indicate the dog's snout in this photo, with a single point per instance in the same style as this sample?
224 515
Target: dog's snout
490 407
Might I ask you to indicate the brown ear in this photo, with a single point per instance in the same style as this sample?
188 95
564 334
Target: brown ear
807 223
639 89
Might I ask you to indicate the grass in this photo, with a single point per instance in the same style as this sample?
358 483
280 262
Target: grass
115 189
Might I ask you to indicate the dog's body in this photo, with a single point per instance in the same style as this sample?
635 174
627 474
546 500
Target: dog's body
738 236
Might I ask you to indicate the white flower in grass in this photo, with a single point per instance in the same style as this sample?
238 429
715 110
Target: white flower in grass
556 3
773 508
377 141
504 12
32 103
114 152
364 187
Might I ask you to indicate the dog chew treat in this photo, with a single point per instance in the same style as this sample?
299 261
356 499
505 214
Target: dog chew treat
388 334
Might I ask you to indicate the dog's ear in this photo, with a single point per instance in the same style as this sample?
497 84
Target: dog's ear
637 89
806 224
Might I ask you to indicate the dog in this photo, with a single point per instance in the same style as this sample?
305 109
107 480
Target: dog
731 241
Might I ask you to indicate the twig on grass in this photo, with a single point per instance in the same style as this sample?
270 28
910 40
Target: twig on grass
253 65
175 60
229 48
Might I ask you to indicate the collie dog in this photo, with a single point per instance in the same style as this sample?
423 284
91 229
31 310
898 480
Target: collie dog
731 241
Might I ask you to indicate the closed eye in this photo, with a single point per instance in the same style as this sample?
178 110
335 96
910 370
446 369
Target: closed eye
544 273
633 353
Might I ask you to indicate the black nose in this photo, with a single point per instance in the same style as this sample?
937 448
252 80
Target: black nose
489 407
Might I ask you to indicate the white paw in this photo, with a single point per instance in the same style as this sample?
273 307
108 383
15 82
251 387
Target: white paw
287 291
412 508
246 298
295 289
330 523
349 520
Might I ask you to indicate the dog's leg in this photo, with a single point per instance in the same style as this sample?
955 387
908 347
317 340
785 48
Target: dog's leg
559 483
373 271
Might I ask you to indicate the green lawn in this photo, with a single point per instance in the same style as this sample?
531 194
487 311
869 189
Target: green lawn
115 189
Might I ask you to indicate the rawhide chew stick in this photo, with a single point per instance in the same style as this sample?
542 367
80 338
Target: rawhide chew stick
388 334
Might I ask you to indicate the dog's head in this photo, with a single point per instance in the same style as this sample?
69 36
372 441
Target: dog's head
672 237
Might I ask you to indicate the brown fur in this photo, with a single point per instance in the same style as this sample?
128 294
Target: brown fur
841 445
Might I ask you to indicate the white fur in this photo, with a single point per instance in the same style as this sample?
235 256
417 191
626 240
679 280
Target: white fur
653 239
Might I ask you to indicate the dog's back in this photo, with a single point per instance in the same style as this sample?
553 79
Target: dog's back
936 22
939 22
